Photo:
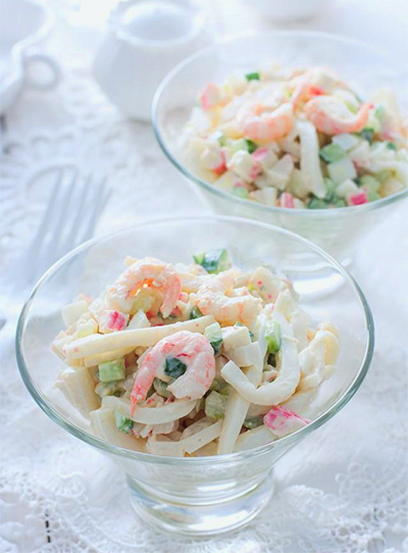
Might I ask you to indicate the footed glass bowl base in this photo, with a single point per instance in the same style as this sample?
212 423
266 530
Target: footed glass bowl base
203 519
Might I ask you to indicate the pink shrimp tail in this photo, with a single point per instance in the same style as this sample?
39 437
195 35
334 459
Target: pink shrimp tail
362 117
332 126
171 296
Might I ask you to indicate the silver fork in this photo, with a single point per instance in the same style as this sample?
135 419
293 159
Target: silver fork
73 208
71 214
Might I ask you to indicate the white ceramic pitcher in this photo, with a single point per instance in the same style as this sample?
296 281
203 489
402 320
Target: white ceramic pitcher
144 40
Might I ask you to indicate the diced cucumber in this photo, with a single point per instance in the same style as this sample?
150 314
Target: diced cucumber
215 405
161 387
341 170
219 385
112 370
251 146
331 189
345 140
240 144
113 388
370 183
273 337
174 367
332 152
255 76
317 203
240 192
253 422
213 333
195 313
367 134
339 202
124 424
213 261
372 195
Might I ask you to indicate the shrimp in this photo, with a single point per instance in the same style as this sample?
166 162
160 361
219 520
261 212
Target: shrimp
316 82
212 299
145 272
331 116
190 348
271 125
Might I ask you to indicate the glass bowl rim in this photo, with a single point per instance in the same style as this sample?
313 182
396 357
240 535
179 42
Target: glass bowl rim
78 432
298 212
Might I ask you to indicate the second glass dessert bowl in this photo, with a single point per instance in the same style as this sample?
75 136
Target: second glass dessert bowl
367 69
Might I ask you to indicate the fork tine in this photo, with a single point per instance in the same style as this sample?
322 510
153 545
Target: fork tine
70 217
32 253
89 225
85 191
61 217
74 211
48 247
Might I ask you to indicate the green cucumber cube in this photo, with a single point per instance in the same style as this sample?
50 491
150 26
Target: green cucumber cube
251 146
339 202
332 152
219 385
195 313
114 388
112 370
345 140
160 387
124 424
174 367
213 261
330 189
240 192
367 134
215 405
317 203
255 76
370 183
341 170
253 422
273 337
213 334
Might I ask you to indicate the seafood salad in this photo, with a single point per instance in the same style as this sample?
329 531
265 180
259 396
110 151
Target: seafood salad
193 359
297 139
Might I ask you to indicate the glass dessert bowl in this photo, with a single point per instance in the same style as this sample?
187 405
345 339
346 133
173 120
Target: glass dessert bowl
211 494
365 68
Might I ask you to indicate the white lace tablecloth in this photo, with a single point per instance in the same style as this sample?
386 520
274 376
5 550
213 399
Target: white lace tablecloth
343 489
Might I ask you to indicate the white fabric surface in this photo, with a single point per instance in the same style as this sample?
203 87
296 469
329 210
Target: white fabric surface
343 489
